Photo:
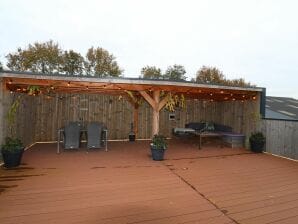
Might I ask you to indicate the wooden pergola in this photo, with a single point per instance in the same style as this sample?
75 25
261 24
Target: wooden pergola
155 92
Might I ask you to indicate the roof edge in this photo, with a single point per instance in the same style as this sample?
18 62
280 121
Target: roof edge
120 80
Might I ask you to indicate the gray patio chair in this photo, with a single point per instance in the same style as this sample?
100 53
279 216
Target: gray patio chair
95 135
72 135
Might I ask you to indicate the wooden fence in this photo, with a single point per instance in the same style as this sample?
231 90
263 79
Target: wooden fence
39 117
43 116
281 137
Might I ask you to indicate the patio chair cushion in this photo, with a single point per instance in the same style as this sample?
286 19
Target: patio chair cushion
196 125
94 135
72 136
183 132
222 128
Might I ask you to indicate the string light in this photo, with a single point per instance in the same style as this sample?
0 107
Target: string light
9 82
221 91
68 84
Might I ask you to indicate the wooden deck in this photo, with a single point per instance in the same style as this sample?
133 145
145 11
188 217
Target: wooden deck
212 185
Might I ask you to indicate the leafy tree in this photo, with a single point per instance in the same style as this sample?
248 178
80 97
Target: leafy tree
210 75
151 72
238 82
1 67
16 61
215 76
39 57
72 63
175 72
99 62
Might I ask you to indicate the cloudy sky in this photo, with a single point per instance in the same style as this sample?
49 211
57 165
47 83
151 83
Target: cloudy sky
253 39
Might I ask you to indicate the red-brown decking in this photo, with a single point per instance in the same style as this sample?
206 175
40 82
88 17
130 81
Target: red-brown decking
212 185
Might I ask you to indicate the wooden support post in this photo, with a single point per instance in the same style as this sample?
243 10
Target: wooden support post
156 105
136 119
133 102
155 118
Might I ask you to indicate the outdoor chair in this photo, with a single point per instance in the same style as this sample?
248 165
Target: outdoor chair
72 134
96 135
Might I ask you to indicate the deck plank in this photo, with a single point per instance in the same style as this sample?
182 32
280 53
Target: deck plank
212 185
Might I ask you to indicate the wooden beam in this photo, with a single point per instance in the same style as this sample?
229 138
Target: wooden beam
135 112
148 98
155 104
155 114
163 102
136 119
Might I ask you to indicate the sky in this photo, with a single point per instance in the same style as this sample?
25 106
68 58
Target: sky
252 39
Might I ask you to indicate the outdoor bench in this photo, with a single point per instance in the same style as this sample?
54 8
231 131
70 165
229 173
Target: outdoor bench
229 138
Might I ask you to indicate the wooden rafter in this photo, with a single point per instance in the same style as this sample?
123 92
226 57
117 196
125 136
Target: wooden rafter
148 98
82 84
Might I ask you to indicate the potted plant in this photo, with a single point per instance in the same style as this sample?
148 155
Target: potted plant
257 141
158 147
12 149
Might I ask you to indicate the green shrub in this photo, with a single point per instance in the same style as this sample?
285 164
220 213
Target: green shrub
159 142
257 141
12 144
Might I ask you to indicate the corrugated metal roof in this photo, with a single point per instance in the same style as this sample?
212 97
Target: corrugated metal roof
281 108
